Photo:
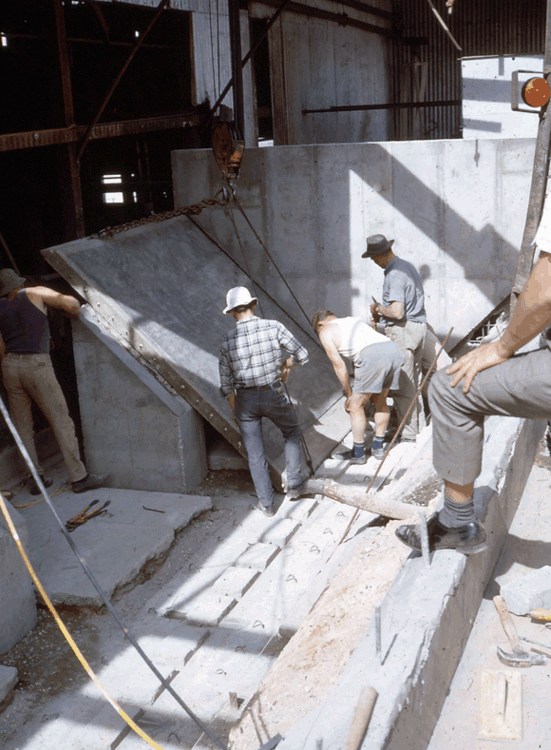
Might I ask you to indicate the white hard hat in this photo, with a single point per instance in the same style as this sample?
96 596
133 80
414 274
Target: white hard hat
236 297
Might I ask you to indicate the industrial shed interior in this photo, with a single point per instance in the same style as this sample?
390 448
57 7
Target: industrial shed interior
154 154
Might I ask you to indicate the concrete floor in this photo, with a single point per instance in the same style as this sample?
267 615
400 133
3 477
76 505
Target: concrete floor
232 590
528 547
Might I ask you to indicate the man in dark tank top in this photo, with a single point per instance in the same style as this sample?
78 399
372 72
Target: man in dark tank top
28 374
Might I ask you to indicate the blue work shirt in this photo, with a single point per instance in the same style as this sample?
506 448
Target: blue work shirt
403 284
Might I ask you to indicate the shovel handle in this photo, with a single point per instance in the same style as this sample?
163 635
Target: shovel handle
507 622
361 718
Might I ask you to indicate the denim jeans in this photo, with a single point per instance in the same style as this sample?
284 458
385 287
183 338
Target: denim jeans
270 401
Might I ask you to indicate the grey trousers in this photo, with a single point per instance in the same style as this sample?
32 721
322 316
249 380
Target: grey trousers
409 337
520 387
31 377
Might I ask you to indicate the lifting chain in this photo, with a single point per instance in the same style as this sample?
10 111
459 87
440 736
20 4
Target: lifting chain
193 210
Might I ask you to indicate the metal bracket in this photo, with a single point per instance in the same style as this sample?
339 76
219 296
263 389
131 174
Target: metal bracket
274 742
228 149
516 97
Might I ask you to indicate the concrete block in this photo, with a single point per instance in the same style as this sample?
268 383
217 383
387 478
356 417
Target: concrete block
143 435
426 610
257 556
17 597
529 591
280 533
116 546
222 456
207 611
236 581
8 680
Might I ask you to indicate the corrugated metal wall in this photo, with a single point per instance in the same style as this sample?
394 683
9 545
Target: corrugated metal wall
481 27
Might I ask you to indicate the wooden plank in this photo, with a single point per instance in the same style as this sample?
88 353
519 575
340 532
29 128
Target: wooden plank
500 716
161 288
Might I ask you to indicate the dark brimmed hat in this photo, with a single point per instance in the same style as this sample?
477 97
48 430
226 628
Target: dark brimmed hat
377 244
9 281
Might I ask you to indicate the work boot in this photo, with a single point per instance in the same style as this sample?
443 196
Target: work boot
467 539
33 487
268 510
295 493
348 456
90 482
379 453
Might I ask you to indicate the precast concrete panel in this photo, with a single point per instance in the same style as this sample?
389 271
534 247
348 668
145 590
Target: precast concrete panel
160 288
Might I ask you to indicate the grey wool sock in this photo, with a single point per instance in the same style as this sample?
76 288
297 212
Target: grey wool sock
453 515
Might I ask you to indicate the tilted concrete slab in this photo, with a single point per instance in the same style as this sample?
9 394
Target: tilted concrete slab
161 288
116 546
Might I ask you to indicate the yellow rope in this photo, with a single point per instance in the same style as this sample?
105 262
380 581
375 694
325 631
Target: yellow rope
66 633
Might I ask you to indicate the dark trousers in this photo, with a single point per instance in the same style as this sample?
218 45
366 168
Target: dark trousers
270 401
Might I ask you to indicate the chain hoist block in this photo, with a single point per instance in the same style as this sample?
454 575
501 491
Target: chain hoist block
228 149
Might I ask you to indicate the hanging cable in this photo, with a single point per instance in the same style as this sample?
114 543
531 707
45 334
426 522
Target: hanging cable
37 478
61 625
267 252
305 448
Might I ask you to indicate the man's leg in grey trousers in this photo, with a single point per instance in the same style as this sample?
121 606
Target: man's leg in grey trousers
520 387
409 340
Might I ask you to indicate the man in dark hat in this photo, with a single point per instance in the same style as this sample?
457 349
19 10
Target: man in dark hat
253 368
28 374
403 312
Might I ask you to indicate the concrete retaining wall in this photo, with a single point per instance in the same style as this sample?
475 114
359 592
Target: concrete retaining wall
426 617
145 436
17 599
455 208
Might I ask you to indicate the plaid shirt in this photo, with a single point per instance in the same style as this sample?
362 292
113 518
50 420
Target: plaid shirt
251 355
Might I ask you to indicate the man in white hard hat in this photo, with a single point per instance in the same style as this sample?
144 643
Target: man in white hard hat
28 374
253 369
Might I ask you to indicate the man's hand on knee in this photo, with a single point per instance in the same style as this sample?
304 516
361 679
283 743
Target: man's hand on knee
468 366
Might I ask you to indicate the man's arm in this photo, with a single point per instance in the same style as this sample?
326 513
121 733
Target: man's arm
532 314
298 354
339 365
395 311
49 297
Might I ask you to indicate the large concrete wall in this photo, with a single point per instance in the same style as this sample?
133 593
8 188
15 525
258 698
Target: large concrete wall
17 599
455 208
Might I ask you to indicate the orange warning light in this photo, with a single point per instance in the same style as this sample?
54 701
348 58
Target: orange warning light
536 92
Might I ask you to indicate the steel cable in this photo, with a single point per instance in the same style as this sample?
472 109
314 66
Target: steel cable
304 444
93 580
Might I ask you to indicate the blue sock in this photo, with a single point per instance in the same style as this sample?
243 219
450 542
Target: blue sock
378 442
358 450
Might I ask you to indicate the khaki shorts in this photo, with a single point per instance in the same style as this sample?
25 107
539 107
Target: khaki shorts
377 367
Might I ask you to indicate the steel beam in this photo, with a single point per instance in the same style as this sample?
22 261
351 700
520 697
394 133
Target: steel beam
539 180
59 136
72 193
162 5
390 105
341 18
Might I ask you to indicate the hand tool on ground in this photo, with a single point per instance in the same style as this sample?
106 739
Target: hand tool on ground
545 647
84 515
541 614
519 657
361 718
